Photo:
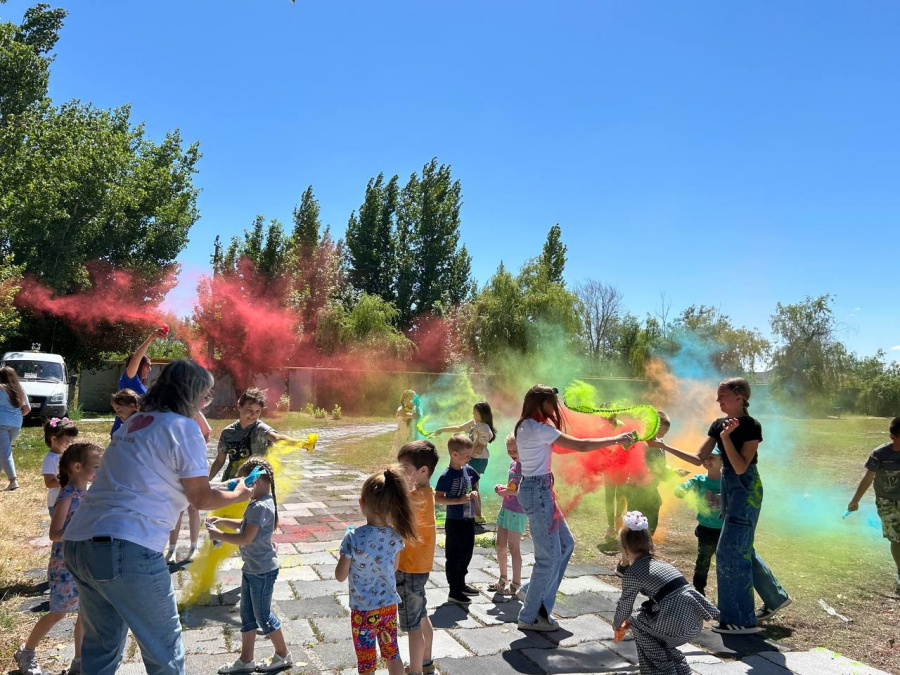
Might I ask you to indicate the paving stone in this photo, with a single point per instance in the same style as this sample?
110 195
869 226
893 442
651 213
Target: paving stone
452 616
752 665
307 547
582 584
325 571
584 628
317 589
332 629
335 655
495 639
695 654
819 661
588 568
736 646
627 649
507 663
310 607
210 617
443 647
495 614
569 606
298 631
299 573
591 657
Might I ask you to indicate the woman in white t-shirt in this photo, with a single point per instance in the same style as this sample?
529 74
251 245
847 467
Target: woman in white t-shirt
154 467
537 431
481 431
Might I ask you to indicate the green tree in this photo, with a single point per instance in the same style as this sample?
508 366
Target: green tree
729 349
553 257
368 327
370 239
10 276
24 64
437 259
305 235
810 363
409 212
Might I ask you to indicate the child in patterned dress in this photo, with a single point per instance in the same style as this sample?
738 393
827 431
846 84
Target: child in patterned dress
369 558
672 616
77 467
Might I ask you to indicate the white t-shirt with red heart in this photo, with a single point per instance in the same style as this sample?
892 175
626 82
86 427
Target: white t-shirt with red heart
137 494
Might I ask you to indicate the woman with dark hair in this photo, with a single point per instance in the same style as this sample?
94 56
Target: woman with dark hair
137 370
154 467
13 408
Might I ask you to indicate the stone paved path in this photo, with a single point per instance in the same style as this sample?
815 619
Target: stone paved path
481 640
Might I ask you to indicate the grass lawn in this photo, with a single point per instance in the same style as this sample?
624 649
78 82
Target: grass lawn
24 514
810 469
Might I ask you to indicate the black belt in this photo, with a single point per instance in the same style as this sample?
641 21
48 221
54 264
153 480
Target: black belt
101 540
652 605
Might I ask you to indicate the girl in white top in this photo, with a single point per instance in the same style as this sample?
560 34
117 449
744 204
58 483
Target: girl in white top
154 467
537 431
481 431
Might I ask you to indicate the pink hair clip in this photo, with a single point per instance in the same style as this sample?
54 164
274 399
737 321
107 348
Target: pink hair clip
54 421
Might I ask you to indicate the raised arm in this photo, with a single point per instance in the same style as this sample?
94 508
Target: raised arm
131 370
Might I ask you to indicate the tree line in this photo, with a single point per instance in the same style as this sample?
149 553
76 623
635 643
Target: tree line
84 192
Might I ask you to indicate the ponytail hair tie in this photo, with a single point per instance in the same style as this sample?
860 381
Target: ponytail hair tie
635 521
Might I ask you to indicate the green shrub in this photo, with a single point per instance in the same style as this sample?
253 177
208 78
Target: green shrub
336 413
320 413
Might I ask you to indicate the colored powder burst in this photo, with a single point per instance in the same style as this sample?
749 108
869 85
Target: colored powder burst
210 558
115 295
582 397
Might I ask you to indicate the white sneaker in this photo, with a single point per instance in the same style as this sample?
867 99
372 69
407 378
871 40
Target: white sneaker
734 629
769 612
540 625
275 663
26 659
238 667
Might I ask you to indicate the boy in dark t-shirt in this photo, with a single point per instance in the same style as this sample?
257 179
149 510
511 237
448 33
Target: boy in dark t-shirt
883 469
457 489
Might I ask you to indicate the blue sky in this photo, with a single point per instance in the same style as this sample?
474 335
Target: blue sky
732 154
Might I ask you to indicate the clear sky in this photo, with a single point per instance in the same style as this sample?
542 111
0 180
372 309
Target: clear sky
732 154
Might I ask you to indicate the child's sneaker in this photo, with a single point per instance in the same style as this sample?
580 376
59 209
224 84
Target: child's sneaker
540 624
734 629
769 612
238 667
460 599
470 590
275 663
479 520
26 659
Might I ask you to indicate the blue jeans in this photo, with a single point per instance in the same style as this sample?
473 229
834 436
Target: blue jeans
256 602
122 585
7 436
738 568
553 544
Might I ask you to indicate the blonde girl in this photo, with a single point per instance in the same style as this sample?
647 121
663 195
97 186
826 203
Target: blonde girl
77 468
369 558
738 567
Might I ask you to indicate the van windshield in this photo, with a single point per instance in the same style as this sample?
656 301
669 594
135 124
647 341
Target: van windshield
42 371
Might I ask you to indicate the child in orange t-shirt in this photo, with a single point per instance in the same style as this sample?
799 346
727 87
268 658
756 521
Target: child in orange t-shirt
418 460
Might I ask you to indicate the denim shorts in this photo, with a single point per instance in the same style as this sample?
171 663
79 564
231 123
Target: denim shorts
256 602
411 588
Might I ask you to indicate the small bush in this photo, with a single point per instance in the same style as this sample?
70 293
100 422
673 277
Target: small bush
284 403
320 413
336 413
310 409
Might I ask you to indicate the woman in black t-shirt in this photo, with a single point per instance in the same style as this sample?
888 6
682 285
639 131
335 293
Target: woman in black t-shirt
738 567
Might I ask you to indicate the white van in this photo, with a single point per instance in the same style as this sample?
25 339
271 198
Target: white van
45 380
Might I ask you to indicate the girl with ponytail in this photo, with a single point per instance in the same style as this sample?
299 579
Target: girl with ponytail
369 558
